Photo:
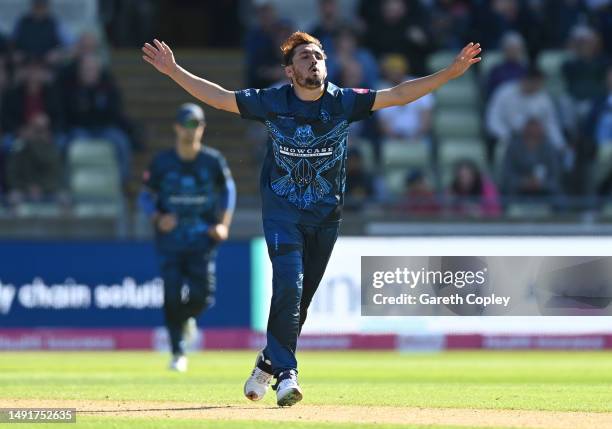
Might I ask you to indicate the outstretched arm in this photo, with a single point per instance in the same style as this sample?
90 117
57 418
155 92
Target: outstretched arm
411 90
161 57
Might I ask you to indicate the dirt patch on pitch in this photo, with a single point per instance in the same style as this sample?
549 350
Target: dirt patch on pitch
328 413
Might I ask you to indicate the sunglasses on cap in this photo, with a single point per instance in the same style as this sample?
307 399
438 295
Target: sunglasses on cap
192 124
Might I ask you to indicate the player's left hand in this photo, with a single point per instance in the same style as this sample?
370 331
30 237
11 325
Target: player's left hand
218 232
465 59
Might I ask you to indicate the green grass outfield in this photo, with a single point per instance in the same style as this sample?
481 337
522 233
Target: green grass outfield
554 381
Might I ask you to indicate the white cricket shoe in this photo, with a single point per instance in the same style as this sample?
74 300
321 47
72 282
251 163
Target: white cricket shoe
257 384
178 363
288 391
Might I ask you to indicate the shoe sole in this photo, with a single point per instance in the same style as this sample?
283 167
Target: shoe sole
291 398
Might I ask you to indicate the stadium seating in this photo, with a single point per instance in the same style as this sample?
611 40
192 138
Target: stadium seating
551 62
453 150
529 210
406 153
458 93
94 178
498 159
76 15
439 60
603 162
91 153
457 123
366 150
94 184
395 181
47 209
489 60
304 13
401 157
606 212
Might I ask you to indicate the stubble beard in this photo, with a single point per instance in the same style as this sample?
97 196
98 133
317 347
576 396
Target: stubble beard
309 82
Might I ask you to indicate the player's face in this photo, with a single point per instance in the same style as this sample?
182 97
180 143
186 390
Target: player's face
191 133
308 66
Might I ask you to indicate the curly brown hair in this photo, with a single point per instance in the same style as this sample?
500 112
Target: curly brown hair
297 39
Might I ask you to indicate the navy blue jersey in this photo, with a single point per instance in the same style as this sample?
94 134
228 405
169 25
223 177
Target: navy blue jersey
303 174
196 192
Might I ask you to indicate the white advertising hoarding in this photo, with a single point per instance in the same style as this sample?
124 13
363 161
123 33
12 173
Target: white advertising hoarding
336 307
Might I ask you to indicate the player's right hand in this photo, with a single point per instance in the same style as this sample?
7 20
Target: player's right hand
166 222
159 56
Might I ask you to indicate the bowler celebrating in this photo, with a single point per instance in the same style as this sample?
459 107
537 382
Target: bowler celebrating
191 197
302 179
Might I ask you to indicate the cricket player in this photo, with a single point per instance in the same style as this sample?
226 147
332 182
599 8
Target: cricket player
302 178
190 195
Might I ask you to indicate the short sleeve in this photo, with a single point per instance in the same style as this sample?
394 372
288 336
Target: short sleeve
358 103
250 104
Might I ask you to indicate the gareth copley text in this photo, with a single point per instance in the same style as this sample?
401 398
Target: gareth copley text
404 277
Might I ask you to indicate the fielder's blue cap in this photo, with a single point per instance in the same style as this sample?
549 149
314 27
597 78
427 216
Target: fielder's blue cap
190 115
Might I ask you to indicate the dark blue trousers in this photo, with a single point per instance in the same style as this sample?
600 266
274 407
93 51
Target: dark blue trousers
189 288
299 255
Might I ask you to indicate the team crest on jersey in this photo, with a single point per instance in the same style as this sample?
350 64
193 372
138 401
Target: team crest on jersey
304 135
303 183
324 116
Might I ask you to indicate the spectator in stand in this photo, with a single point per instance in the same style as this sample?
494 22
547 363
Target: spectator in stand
471 192
39 34
419 198
412 121
531 164
34 167
352 76
566 15
495 18
346 48
402 28
261 46
514 103
359 183
3 85
94 110
87 44
128 22
4 50
585 73
602 20
450 21
2 177
514 65
34 94
329 22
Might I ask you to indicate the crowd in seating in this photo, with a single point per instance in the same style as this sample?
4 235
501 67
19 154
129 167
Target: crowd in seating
55 89
531 124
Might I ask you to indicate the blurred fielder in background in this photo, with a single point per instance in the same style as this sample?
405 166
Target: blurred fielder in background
302 179
190 195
